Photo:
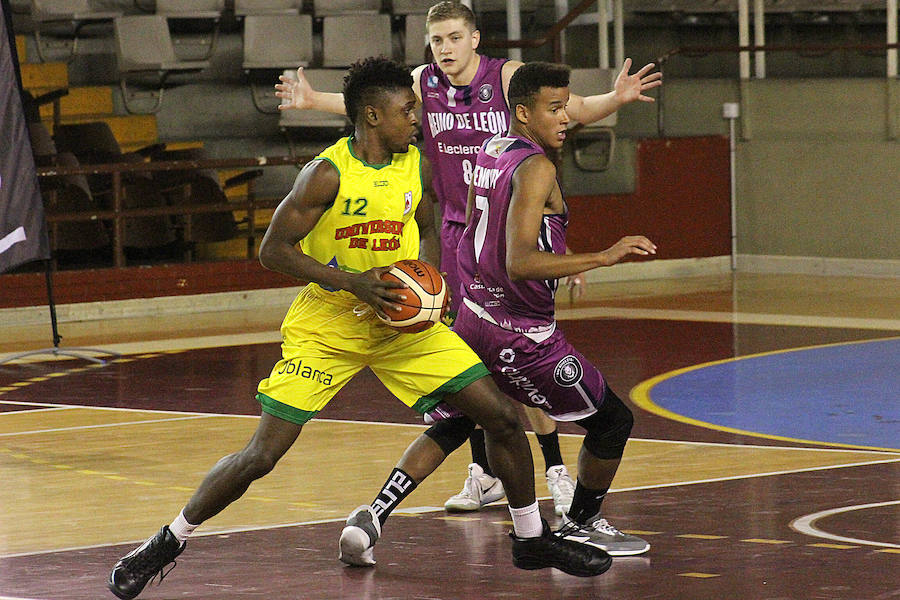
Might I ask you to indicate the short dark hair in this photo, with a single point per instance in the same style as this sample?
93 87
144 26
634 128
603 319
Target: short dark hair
370 77
528 80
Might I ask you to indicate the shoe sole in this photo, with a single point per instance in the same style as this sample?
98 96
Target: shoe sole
612 550
352 539
112 588
461 507
634 552
533 565
473 507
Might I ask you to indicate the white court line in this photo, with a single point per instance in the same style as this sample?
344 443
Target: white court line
423 426
429 509
30 411
729 317
806 524
101 425
30 403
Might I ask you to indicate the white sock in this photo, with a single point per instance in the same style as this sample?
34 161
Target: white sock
527 521
180 528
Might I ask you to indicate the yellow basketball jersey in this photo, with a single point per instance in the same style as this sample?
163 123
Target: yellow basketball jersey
372 221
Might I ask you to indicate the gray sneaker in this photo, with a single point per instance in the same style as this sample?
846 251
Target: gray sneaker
357 546
598 532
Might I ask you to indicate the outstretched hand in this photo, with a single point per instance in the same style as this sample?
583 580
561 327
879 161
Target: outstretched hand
630 244
629 88
377 293
294 92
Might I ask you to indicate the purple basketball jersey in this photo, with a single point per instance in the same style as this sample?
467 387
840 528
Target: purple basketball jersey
520 306
455 122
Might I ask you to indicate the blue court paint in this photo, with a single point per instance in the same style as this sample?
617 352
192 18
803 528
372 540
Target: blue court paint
845 394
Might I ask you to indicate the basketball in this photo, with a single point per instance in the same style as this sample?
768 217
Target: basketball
426 299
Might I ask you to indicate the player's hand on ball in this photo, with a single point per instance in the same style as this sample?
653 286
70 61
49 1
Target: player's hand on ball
381 295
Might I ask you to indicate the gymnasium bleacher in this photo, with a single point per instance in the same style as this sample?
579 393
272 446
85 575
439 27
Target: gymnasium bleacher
212 109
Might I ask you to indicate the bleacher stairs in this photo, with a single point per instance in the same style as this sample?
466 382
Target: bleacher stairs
96 103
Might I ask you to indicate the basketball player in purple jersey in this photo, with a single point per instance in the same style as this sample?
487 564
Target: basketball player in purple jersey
511 256
463 97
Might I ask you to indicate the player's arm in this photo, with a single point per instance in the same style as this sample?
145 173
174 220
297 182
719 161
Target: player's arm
574 283
299 94
627 88
533 183
429 236
313 192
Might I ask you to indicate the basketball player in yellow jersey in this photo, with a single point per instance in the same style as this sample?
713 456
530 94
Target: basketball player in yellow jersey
354 210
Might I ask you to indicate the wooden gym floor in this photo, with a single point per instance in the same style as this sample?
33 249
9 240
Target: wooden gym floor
95 458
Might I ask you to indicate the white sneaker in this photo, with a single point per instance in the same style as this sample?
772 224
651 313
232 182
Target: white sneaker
478 490
357 546
598 532
561 487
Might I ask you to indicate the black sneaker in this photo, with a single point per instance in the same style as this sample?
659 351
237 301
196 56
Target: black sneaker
551 550
145 562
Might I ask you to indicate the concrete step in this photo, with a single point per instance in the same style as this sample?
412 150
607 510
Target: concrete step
82 102
131 131
39 78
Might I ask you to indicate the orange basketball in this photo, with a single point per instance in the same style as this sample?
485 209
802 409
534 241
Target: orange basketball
426 297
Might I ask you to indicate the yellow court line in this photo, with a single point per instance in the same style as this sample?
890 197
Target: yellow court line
640 395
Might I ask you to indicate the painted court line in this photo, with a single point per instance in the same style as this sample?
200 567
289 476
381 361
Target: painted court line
433 509
806 524
419 426
100 425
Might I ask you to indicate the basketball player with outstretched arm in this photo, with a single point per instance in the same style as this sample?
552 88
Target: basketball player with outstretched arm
512 253
463 96
332 330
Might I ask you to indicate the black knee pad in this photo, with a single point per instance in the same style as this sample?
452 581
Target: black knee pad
451 433
608 429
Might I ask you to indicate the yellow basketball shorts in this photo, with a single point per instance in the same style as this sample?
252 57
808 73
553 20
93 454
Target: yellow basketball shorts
327 338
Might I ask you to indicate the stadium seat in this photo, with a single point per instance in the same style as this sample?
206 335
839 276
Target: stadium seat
94 143
144 46
370 35
415 40
209 11
325 8
410 7
266 54
243 8
593 144
66 18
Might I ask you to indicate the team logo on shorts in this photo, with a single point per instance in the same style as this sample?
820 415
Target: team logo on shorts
407 202
486 92
568 371
507 355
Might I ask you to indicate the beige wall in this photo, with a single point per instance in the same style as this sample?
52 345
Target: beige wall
818 160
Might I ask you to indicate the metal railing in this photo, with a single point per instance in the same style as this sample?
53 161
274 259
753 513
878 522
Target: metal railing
118 214
552 35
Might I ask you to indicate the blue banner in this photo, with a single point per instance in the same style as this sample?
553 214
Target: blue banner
23 232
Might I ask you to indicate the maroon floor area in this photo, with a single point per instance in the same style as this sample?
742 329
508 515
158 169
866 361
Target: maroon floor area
427 557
